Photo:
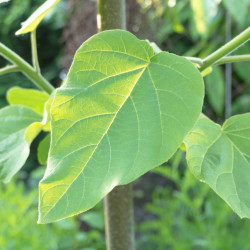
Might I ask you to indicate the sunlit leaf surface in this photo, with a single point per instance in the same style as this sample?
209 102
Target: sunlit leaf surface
32 98
121 112
33 21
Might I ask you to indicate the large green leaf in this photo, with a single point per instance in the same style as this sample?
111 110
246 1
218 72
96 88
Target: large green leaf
220 156
121 112
32 98
18 127
33 21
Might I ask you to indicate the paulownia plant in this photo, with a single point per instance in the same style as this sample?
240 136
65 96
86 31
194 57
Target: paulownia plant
124 108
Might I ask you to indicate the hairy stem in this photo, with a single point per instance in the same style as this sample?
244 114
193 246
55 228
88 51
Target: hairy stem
226 49
118 204
26 69
119 218
9 69
34 51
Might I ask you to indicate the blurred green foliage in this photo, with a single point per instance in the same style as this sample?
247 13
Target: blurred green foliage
14 12
18 216
189 216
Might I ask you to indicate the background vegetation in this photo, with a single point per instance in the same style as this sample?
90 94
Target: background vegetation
172 210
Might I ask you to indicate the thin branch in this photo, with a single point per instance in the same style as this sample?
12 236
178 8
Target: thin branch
26 69
34 51
233 59
226 49
9 69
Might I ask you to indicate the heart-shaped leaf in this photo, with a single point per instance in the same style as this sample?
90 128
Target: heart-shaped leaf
33 21
18 127
220 156
121 112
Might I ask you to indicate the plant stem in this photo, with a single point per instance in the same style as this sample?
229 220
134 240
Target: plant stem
232 59
26 69
118 204
111 14
119 218
228 70
226 49
34 51
195 60
9 69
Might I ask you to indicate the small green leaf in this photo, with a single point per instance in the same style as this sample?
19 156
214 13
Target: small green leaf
242 68
34 99
241 104
18 127
121 112
43 150
215 90
220 156
33 21
94 219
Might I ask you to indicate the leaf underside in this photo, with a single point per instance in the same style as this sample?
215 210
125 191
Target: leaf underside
121 112
33 21
220 156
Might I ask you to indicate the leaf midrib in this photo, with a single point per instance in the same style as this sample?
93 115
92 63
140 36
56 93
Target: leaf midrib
99 140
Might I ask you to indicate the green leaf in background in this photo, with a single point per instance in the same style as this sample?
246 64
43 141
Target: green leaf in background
241 104
204 14
33 21
18 127
239 10
220 157
215 90
43 150
94 219
121 112
242 68
34 99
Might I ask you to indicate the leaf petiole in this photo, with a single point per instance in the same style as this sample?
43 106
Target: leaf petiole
9 69
34 51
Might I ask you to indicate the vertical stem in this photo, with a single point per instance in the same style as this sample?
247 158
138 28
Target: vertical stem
111 14
228 73
118 204
119 218
34 51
